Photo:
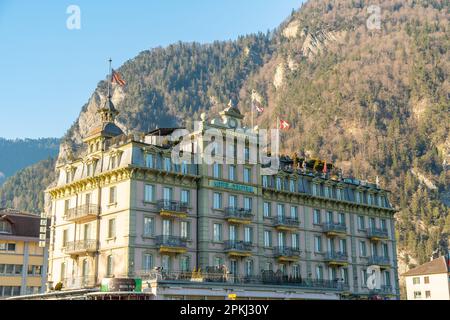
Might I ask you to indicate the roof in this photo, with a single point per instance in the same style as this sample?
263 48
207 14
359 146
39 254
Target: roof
22 224
107 129
163 131
438 265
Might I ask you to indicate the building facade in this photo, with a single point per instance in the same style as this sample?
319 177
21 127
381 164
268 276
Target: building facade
122 207
429 281
23 263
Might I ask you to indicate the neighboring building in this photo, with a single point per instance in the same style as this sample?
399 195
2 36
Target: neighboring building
120 208
23 263
429 281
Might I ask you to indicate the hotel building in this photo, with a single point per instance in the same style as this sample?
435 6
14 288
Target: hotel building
23 263
122 208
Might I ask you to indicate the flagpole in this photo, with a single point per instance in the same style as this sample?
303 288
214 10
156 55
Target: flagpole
110 78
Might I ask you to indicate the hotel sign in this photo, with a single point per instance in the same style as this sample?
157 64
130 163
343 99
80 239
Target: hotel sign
43 230
231 186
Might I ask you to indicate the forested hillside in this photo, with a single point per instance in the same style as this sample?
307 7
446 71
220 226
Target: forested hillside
374 102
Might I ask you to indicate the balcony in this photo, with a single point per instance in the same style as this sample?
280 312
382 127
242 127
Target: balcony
172 209
377 234
80 247
82 213
336 258
334 229
384 289
381 261
286 223
171 244
84 282
287 254
238 248
238 215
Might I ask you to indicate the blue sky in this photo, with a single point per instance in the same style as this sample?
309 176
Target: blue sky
48 71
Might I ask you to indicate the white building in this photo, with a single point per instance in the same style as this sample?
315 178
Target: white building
430 281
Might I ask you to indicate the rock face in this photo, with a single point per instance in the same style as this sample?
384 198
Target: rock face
291 30
315 43
279 76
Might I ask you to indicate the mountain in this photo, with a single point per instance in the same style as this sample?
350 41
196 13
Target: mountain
19 153
375 102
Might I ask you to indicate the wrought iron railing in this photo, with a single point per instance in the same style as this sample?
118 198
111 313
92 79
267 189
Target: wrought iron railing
286 221
379 260
239 213
171 241
336 256
334 227
377 232
82 212
79 282
171 205
80 246
283 251
237 245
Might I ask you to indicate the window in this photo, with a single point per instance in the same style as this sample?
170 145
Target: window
149 193
326 191
358 196
247 154
362 249
218 261
344 275
319 272
66 205
109 265
364 277
248 268
269 266
232 172
387 278
247 203
149 160
87 199
87 231
295 241
10 269
165 261
280 210
427 294
341 219
315 189
113 162
232 233
426 280
266 209
296 271
184 167
385 250
247 175
278 183
148 226
317 244
330 217
184 264
184 229
339 194
416 280
417 294
5 227
65 237
361 223
62 271
217 170
232 201
185 197
291 185
166 227
147 262
343 246
112 195
265 181
8 247
111 228
316 217
383 224
294 212
167 194
217 232
217 200
248 234
267 238
167 164
281 239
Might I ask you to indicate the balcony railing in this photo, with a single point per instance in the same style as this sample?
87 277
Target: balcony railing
266 277
171 244
287 253
384 289
332 228
172 208
337 258
377 233
238 215
288 223
83 212
80 246
238 248
379 260
82 282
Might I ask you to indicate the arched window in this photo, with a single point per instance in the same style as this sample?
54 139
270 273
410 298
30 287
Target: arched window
5 227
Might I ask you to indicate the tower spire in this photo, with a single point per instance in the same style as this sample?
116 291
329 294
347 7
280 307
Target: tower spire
109 78
107 111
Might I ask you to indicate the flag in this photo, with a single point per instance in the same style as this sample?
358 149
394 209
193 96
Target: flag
257 106
325 169
117 78
284 125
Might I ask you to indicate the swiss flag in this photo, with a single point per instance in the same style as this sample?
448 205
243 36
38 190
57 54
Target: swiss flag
284 125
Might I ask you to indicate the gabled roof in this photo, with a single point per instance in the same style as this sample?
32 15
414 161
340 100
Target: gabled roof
438 265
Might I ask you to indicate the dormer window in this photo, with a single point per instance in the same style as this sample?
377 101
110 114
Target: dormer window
5 227
113 162
149 160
